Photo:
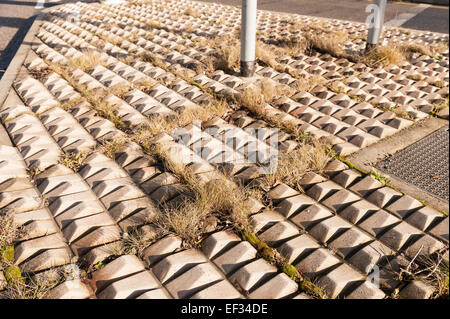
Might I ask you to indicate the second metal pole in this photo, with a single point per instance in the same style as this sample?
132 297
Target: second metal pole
248 37
376 26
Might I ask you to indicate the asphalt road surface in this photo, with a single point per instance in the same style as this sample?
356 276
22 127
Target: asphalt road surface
16 16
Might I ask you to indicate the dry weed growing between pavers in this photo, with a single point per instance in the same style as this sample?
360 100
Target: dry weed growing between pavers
136 241
308 83
153 59
192 12
399 112
88 60
328 43
384 56
311 156
228 53
219 197
436 273
430 269
73 160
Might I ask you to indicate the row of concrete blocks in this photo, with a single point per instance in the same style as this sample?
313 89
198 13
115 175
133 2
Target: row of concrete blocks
428 106
98 178
223 263
126 277
118 67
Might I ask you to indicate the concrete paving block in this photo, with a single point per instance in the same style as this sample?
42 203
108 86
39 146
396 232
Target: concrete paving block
102 253
367 185
316 262
62 185
20 201
161 249
143 174
310 216
221 290
358 211
21 219
53 171
441 230
78 227
340 200
372 254
114 191
417 290
378 222
120 268
404 206
329 228
100 236
39 228
130 287
281 192
48 259
278 287
321 190
236 257
291 205
279 233
249 275
339 279
194 280
175 264
28 248
160 180
424 217
218 242
298 247
349 241
347 177
67 208
73 289
399 235
261 220
367 290
383 196
126 208
425 246
155 294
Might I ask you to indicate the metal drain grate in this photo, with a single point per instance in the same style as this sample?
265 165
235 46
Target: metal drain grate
423 164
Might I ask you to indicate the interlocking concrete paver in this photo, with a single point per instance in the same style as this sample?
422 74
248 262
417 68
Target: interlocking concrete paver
416 290
177 263
130 287
278 287
74 289
194 280
221 290
236 257
336 281
249 275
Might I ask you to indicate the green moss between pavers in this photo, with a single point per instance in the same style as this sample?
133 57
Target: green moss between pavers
270 255
7 254
13 275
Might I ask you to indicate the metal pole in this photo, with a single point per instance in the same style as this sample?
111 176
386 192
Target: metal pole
248 37
376 26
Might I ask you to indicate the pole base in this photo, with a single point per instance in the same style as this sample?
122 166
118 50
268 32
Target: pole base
248 69
370 47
